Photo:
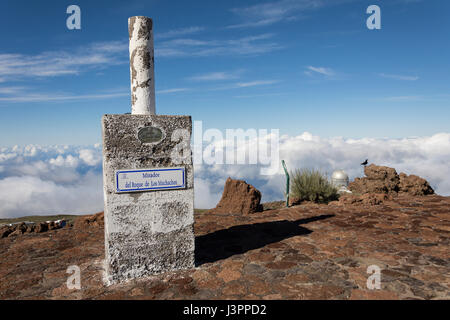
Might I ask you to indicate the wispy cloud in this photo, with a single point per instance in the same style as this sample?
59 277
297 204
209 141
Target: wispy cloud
399 77
310 70
250 45
271 12
216 76
248 84
422 156
14 66
23 94
403 98
259 95
50 180
53 179
11 90
431 98
179 32
256 83
36 97
174 90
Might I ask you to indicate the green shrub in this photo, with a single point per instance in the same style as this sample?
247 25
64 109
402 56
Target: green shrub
311 185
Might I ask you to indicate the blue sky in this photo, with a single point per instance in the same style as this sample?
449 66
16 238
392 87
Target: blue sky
304 65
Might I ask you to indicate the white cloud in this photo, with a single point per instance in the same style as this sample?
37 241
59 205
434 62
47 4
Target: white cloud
171 90
68 161
204 197
215 76
268 13
30 195
179 32
184 47
90 156
271 12
245 96
11 90
42 180
95 56
423 156
27 96
247 84
399 77
403 98
320 70
63 62
255 83
30 151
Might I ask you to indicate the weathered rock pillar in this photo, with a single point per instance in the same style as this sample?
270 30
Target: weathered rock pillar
148 178
142 74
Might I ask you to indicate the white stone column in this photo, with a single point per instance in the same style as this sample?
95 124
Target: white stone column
140 31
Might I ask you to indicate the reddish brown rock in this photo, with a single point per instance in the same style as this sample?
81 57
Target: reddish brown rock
41 227
136 292
15 233
280 265
347 199
259 287
5 231
239 197
158 288
234 288
414 185
180 281
261 257
359 294
375 198
21 228
381 179
274 296
96 220
293 201
229 275
364 199
303 252
374 172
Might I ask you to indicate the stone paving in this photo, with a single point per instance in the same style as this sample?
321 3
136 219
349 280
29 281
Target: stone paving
308 251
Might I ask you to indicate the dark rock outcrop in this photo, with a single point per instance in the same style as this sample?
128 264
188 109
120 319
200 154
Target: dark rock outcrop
364 199
239 197
378 179
96 220
22 227
385 180
414 185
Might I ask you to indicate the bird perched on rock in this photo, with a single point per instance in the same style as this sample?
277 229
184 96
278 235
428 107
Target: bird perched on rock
365 162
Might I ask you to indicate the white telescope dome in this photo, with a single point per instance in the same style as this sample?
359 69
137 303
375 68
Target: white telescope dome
339 178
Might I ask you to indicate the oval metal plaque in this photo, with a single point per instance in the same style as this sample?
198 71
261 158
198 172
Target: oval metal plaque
150 135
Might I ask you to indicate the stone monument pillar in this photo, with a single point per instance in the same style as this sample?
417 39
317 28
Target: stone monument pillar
148 177
142 76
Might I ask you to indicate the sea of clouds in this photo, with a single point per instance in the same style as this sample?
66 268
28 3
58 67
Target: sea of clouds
44 180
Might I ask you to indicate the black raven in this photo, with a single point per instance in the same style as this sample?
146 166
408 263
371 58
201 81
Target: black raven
365 162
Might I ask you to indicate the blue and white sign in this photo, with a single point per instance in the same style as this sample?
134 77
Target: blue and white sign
150 179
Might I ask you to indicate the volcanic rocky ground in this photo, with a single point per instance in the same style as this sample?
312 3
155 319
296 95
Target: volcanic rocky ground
308 251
